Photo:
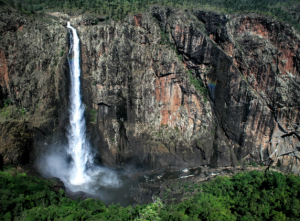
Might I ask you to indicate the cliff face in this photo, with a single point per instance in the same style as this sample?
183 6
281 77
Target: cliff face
148 111
267 55
142 108
145 103
33 83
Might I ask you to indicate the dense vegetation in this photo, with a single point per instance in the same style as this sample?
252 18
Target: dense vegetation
245 196
285 10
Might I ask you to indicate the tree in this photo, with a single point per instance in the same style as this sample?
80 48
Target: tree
151 212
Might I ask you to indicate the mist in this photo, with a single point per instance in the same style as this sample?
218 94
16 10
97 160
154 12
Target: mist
56 162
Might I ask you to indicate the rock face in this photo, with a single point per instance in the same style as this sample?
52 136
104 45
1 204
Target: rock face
33 83
57 184
142 108
145 109
166 88
266 53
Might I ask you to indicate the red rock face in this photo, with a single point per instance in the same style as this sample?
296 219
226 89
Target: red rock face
137 20
4 79
171 99
20 28
274 81
252 25
150 114
147 112
266 53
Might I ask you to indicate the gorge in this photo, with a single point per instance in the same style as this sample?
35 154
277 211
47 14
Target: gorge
164 89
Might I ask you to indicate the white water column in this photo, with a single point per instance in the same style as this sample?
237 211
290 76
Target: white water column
79 147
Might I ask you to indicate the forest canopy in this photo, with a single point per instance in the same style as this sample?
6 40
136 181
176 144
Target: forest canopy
284 10
245 196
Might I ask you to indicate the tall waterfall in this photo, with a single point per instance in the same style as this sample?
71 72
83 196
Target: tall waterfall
78 146
81 174
74 163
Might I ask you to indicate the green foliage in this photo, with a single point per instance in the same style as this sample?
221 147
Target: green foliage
151 212
22 111
245 196
254 164
205 206
29 198
93 116
7 103
285 10
179 56
176 128
164 37
198 84
11 111
21 192
250 197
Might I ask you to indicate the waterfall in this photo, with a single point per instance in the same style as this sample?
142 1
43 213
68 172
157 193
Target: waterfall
78 145
74 163
82 174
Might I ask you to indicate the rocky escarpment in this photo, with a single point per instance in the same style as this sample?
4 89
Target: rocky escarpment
147 109
33 83
266 53
142 107
166 88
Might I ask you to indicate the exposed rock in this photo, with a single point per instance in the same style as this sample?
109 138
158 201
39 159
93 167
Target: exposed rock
16 142
266 52
148 94
80 195
147 112
33 83
146 104
57 184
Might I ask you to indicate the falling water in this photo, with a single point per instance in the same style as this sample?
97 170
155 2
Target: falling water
78 176
74 163
78 145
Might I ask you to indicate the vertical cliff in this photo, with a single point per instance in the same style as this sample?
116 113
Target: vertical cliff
145 85
142 108
33 83
166 88
266 53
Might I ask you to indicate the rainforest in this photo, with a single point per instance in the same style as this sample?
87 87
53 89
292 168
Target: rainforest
149 110
245 196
